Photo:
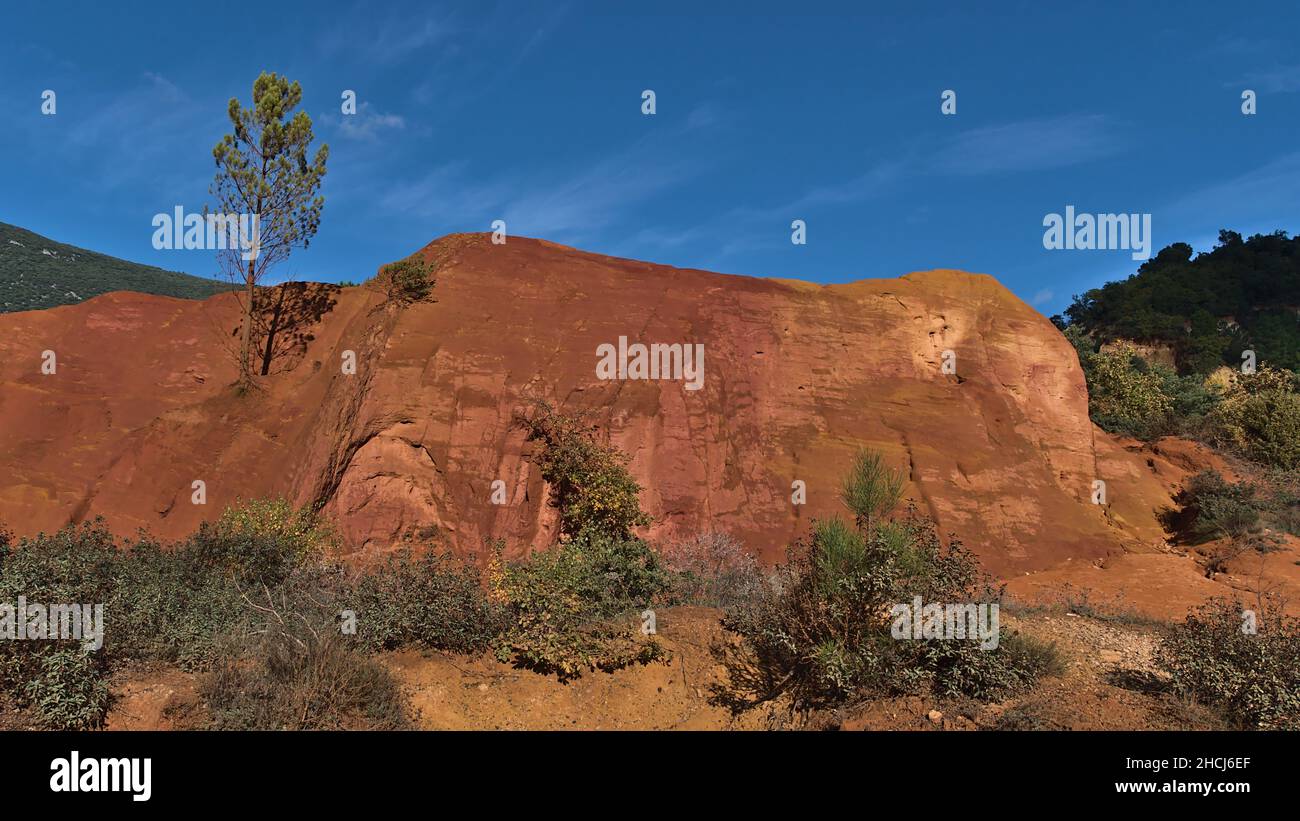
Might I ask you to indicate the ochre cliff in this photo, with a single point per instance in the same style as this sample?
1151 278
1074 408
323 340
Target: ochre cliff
796 378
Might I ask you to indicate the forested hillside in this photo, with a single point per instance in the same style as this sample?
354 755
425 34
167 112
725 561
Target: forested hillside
36 272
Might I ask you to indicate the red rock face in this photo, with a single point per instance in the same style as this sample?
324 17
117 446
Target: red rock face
796 378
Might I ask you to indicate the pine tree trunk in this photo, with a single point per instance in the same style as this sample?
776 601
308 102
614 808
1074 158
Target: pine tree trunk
246 343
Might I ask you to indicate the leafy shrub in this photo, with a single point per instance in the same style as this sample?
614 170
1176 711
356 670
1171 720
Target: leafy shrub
570 609
1253 678
1126 395
1044 657
1232 517
1266 428
1266 379
433 601
58 680
713 569
1192 399
76 564
823 633
1215 508
173 606
1256 415
170 606
261 541
410 279
1283 503
1078 338
589 481
67 688
824 636
1259 416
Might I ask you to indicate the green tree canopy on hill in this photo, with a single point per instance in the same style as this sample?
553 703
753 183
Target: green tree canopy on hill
1242 294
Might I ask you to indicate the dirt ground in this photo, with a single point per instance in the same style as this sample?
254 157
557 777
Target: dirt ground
452 693
1110 683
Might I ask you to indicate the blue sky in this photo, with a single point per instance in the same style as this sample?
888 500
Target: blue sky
531 113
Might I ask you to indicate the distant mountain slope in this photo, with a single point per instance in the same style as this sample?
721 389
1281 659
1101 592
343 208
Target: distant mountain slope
36 272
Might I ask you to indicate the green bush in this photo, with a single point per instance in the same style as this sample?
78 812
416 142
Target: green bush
431 601
1232 517
59 680
1215 508
1078 338
1253 679
574 608
67 689
176 605
410 279
261 541
1045 658
1267 428
77 564
589 481
169 605
571 608
871 489
1192 400
1284 500
1126 395
1258 417
822 634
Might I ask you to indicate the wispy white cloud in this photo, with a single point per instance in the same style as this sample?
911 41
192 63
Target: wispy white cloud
1011 147
1007 148
704 115
384 38
156 101
1264 198
573 205
106 129
1233 45
1276 80
875 181
595 198
364 126
1031 145
446 193
668 237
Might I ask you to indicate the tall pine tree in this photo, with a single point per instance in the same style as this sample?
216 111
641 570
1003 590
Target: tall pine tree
263 171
